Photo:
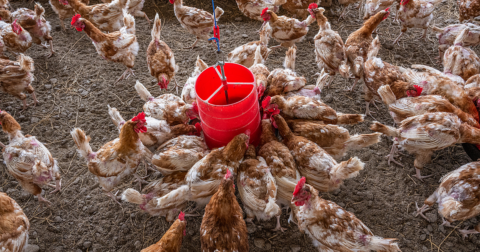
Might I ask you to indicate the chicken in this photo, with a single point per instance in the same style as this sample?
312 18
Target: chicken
258 189
168 107
189 95
134 8
14 225
14 38
457 196
378 73
423 134
301 107
158 131
320 169
119 46
34 22
172 239
472 88
461 60
172 187
401 109
331 227
329 48
64 9
253 8
28 160
312 91
260 72
196 21
160 58
285 80
245 54
5 4
446 36
16 77
179 154
415 14
223 227
434 82
358 44
468 9
298 8
287 31
281 163
372 7
116 159
335 140
345 4
105 17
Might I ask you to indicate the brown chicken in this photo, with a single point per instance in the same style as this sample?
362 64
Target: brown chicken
223 227
34 22
320 169
472 88
468 9
423 134
16 78
163 197
64 9
282 80
179 154
189 95
331 227
172 239
119 46
245 54
258 189
298 8
14 225
358 44
106 17
281 163
253 8
335 140
287 31
160 58
378 73
446 36
168 107
5 4
457 197
261 72
116 159
329 48
434 82
301 107
28 160
14 38
196 21
134 7
461 60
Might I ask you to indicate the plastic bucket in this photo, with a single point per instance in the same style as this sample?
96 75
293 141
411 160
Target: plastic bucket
221 121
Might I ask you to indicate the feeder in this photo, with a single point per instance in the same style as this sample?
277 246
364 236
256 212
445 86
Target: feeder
221 121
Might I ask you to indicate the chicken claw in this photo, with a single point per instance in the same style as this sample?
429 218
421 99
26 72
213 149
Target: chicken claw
419 176
193 45
279 227
446 223
125 75
466 232
392 155
422 210
114 197
42 200
57 186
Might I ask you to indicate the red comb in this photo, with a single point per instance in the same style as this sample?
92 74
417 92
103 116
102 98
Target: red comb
139 117
228 175
313 6
75 18
419 89
266 101
387 9
299 186
264 11
198 126
181 216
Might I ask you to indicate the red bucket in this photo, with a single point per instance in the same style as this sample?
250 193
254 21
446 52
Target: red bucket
221 121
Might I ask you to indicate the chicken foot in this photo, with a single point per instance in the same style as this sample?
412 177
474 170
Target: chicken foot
42 200
343 13
140 180
35 101
367 110
354 84
51 49
397 39
422 158
393 154
446 223
466 232
125 75
193 45
422 210
57 186
114 197
279 226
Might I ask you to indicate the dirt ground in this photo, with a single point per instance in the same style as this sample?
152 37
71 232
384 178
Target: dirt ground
75 86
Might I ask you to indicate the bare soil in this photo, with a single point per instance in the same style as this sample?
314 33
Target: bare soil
76 85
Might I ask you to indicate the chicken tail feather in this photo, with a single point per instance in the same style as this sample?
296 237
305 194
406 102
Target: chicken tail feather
346 169
344 70
387 95
174 198
82 142
378 243
26 63
349 118
387 130
116 117
360 141
290 58
258 56
129 22
132 196
157 28
39 10
272 209
142 91
218 13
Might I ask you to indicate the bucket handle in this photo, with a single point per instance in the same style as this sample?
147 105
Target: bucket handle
229 83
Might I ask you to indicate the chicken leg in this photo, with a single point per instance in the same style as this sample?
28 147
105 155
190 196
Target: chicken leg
193 45
422 158
393 151
114 197
125 75
51 49
398 38
279 226
466 232
42 200
422 210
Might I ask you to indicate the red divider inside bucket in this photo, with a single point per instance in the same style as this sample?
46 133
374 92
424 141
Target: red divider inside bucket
221 121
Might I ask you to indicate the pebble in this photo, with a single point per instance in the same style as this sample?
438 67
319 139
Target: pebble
58 249
244 35
84 93
57 28
57 219
87 244
295 248
11 190
432 217
34 235
388 46
238 19
78 250
138 245
268 246
48 86
81 110
423 237
31 248
441 229
259 243
24 196
429 227
251 229
53 80
34 120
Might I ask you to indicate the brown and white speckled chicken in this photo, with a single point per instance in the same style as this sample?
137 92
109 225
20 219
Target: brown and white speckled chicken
446 36
106 17
14 225
461 60
335 140
423 134
179 154
468 9
245 54
331 227
172 240
285 30
260 71
320 169
283 80
372 7
298 8
168 107
14 38
258 189
189 95
253 8
312 91
134 7
196 21
457 196
64 9
16 78
28 160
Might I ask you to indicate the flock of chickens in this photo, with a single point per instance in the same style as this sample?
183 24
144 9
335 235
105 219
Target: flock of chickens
432 110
